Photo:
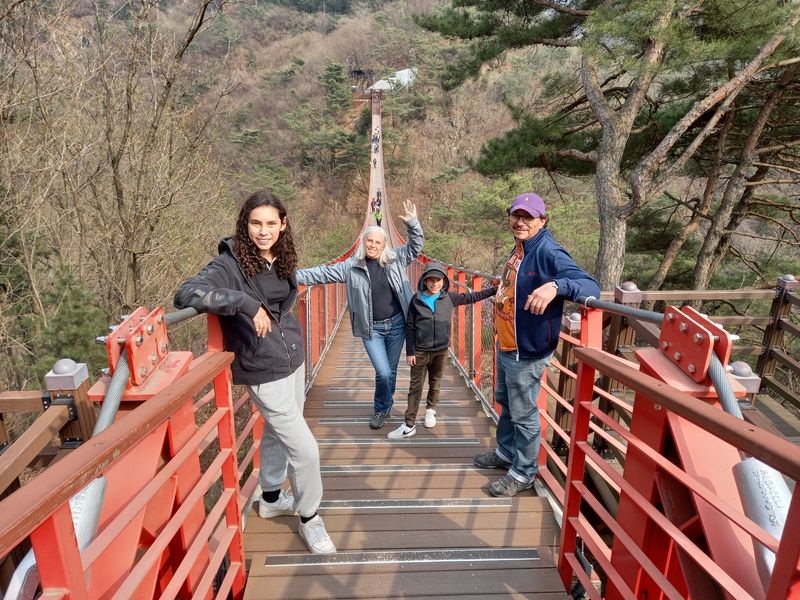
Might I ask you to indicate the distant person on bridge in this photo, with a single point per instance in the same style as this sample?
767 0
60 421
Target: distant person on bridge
251 286
378 217
378 292
374 163
538 275
427 340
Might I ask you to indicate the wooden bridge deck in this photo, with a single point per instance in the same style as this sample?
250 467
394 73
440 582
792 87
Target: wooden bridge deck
408 517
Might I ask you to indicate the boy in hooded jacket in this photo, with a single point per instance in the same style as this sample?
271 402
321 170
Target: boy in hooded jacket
428 325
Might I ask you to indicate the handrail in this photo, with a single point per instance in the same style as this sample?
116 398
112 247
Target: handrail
773 450
42 496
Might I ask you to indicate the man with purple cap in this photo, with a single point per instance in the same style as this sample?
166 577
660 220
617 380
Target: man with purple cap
538 276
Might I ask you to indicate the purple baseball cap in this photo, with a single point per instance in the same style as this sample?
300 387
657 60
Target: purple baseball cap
530 203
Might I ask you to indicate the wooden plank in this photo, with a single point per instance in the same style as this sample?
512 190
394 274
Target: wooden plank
30 401
440 520
379 585
289 541
32 441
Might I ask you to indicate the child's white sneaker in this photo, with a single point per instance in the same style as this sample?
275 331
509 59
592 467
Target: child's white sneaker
403 431
430 417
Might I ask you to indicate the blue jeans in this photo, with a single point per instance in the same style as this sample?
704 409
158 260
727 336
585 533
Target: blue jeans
518 430
384 349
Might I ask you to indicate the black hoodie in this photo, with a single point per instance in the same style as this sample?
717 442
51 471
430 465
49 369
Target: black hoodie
222 288
428 331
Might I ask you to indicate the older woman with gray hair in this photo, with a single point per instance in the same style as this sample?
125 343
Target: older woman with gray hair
378 293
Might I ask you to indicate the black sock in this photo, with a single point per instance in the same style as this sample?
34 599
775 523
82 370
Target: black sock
307 519
271 496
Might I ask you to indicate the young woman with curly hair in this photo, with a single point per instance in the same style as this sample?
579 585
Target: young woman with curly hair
251 286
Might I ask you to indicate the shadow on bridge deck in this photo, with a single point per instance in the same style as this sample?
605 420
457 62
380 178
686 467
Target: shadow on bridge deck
408 517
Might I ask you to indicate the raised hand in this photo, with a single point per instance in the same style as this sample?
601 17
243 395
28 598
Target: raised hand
411 211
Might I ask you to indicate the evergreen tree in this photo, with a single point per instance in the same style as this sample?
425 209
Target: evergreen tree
336 88
655 79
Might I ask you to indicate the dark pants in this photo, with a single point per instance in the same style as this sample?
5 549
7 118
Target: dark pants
431 363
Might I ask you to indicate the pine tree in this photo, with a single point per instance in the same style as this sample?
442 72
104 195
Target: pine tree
655 80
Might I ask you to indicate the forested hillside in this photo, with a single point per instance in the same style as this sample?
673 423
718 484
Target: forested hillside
131 130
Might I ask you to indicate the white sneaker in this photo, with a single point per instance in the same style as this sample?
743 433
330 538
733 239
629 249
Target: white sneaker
430 417
403 431
316 538
284 505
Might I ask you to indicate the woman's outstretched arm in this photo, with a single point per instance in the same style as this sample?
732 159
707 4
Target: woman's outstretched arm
335 273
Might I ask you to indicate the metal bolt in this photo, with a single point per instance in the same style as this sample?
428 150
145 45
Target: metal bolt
683 328
111 328
139 340
691 368
123 317
142 371
101 340
164 347
670 317
121 341
150 329
677 356
153 359
664 345
698 338
160 319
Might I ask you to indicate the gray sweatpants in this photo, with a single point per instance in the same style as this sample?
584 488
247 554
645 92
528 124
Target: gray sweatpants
287 444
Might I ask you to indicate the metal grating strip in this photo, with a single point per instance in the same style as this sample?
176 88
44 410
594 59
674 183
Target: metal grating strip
352 469
412 441
398 419
372 389
416 503
370 402
455 555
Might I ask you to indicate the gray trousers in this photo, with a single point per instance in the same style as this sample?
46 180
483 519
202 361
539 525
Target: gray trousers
287 444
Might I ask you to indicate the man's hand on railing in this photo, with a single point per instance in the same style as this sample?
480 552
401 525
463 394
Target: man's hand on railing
411 211
262 323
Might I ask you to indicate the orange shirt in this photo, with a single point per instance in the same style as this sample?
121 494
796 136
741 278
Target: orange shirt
505 311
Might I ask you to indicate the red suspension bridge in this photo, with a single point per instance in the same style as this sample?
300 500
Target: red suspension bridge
643 476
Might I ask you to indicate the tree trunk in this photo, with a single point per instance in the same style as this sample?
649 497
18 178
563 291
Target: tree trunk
610 201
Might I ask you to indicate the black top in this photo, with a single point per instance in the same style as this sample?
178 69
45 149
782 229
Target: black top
384 303
273 289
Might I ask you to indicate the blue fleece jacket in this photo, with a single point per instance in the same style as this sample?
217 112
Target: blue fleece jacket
543 260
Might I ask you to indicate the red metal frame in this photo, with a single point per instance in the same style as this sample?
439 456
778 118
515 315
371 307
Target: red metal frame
652 556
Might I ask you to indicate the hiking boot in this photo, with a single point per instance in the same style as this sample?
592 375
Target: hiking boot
430 418
507 486
378 419
316 538
284 505
404 431
490 460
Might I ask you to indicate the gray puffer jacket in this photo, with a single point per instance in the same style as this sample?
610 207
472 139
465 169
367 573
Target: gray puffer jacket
354 273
